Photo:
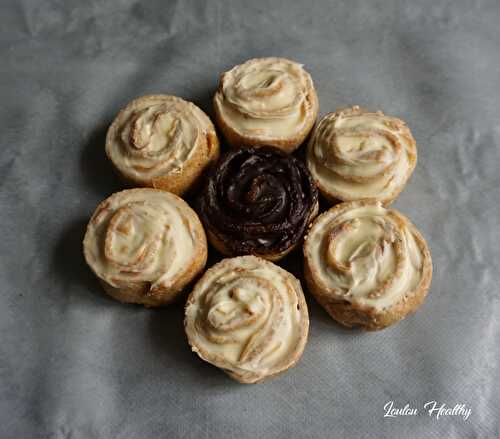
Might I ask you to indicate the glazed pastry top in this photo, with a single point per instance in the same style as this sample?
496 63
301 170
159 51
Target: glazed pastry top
357 154
258 201
142 235
266 98
362 252
156 135
247 315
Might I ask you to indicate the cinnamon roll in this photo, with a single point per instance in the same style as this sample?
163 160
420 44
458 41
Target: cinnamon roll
163 142
248 317
354 154
258 201
367 265
266 101
145 246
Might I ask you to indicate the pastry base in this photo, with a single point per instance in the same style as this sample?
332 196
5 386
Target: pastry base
351 316
221 247
288 144
193 169
354 315
249 377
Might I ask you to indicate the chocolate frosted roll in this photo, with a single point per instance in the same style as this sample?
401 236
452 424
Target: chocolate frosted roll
258 201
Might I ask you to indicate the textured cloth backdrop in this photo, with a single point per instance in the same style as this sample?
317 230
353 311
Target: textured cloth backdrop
75 364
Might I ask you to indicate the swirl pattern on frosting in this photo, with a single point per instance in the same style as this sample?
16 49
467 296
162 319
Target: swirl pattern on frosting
157 136
267 99
354 154
365 254
258 201
144 236
249 317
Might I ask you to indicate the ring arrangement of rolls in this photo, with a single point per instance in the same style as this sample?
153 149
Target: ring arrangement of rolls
254 202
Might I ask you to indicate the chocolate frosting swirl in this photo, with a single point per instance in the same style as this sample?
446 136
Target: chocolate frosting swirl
258 201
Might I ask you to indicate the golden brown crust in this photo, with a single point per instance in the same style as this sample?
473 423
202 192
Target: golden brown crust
237 371
288 143
333 198
144 292
329 192
186 180
354 314
189 181
140 293
350 315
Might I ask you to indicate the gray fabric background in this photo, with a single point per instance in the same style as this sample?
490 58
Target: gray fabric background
75 364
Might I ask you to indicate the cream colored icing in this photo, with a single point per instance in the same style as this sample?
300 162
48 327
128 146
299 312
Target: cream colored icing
265 98
356 154
365 254
141 235
245 313
155 136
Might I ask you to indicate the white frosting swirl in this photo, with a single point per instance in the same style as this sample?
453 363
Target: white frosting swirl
267 98
143 236
363 253
355 154
247 316
155 136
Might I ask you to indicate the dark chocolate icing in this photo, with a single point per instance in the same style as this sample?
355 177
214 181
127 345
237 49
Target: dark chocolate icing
258 201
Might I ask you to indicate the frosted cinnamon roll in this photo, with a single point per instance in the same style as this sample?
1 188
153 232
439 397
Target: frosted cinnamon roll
354 154
266 101
248 317
368 266
163 142
258 201
145 246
